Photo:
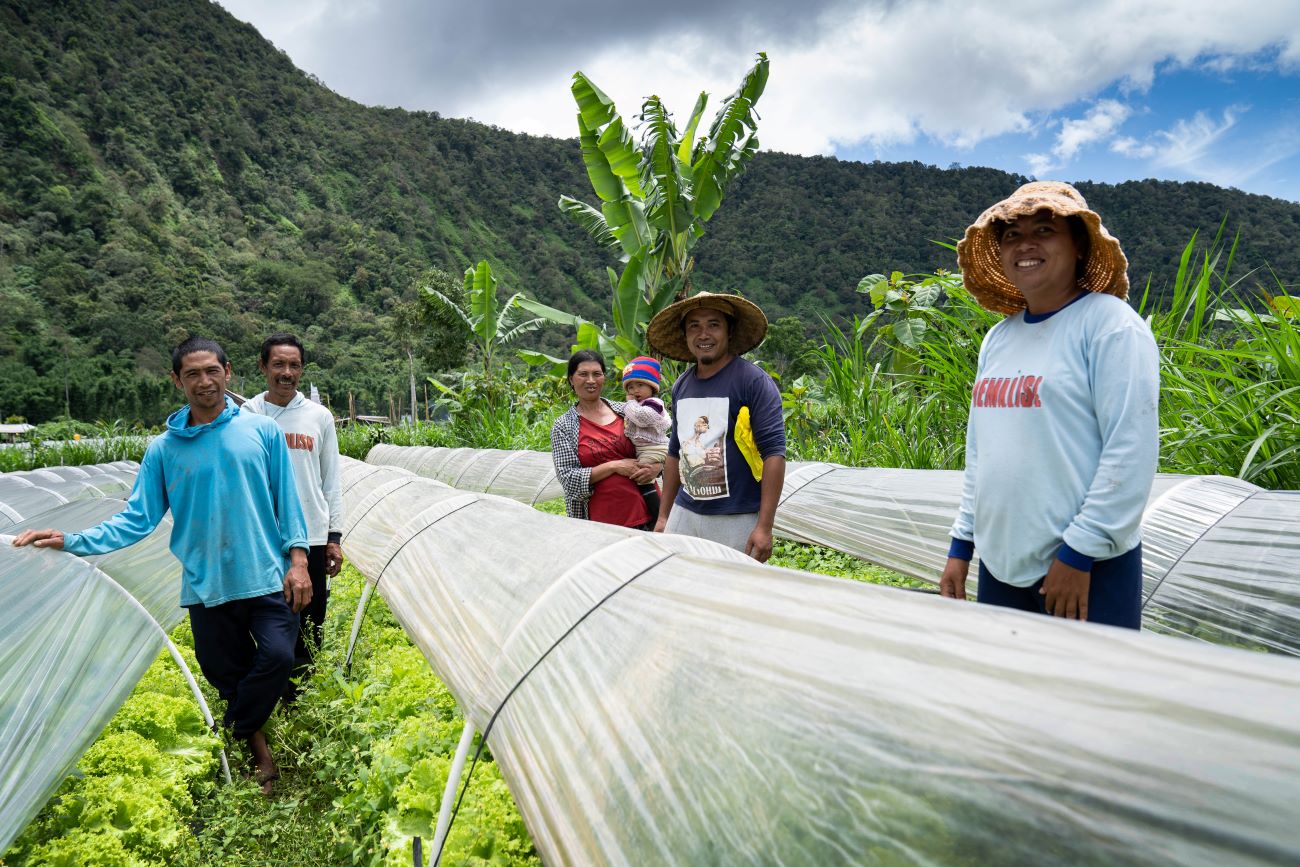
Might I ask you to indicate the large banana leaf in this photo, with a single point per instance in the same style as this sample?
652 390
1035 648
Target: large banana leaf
481 290
603 180
630 303
755 81
624 161
448 304
627 223
591 220
589 335
550 314
688 137
667 197
509 329
596 109
556 367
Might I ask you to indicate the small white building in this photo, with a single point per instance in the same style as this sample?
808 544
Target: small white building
9 433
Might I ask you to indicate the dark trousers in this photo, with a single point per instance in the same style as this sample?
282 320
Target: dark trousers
313 616
311 620
245 649
1114 592
650 493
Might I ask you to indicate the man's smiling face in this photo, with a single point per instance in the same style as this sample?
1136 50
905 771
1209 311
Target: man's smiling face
708 336
203 379
283 370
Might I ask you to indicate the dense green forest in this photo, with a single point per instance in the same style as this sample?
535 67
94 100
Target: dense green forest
164 171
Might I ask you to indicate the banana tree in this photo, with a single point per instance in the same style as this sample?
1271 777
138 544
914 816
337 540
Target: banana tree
493 325
655 199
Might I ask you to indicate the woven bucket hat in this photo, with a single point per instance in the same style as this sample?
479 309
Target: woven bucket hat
667 335
980 261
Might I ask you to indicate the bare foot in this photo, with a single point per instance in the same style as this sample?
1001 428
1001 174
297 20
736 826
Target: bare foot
264 770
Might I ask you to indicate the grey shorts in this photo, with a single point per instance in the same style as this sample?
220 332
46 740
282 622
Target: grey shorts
652 454
730 530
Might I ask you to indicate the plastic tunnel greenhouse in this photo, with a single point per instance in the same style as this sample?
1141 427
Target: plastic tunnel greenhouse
662 699
35 492
1218 561
78 632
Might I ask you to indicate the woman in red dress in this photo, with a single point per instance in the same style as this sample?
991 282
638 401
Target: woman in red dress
594 460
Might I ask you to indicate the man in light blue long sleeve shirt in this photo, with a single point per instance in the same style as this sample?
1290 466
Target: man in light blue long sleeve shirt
238 531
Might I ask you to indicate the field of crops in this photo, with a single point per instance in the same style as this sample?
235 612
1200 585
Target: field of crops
365 754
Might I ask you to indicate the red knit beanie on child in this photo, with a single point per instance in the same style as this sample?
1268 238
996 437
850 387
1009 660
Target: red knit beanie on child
645 368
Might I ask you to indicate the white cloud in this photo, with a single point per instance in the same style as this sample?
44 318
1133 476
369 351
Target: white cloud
1130 147
1188 141
1040 164
1185 146
844 74
1101 122
1200 147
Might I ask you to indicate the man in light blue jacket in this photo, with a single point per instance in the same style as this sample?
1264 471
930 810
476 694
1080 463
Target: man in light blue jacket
238 531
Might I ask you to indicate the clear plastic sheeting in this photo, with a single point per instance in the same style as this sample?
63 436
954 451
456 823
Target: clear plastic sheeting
27 494
899 519
1227 554
73 650
147 570
526 476
1231 542
661 699
78 635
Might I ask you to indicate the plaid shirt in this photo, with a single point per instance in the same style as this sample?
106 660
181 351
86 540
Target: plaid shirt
573 476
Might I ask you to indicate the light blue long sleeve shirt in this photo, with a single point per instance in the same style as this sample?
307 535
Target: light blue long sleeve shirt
235 510
1062 441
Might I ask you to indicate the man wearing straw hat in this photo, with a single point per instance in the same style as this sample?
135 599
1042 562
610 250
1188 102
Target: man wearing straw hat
725 469
1063 434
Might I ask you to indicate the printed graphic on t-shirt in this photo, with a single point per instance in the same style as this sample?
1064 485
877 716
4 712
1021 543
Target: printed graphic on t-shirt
702 435
300 441
1008 392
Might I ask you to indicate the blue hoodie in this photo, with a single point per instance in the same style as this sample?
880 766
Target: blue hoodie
235 509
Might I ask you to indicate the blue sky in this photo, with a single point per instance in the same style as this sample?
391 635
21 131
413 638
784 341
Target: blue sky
1110 90
1238 128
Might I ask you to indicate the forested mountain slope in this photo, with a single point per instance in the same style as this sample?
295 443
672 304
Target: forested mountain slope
165 170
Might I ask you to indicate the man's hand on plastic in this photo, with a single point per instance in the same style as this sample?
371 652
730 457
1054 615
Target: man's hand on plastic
1066 591
759 544
333 559
953 582
297 586
40 538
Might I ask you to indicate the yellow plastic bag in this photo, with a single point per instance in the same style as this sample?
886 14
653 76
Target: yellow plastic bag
745 442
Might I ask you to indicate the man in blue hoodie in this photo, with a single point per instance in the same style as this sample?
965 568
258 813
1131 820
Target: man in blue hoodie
238 532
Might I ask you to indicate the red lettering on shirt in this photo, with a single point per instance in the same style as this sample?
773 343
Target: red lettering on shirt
299 441
1007 392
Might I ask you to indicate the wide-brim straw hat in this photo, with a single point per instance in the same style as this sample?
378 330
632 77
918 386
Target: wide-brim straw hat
980 260
667 336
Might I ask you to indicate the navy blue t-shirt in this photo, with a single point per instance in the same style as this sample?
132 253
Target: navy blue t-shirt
716 480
